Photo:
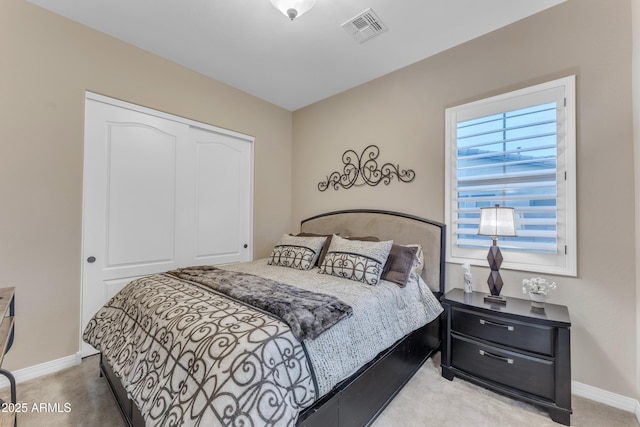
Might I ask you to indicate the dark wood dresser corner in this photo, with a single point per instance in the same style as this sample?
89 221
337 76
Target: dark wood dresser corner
7 328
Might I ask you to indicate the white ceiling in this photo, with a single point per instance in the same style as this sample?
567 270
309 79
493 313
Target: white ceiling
251 46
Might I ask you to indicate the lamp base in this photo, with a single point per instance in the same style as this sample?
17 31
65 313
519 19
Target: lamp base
495 281
495 299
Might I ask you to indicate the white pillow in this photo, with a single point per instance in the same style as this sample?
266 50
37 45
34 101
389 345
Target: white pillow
296 252
419 264
356 260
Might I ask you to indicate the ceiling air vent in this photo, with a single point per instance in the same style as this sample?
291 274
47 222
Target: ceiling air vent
365 26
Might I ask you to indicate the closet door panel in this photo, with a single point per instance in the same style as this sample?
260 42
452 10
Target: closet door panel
130 185
222 198
160 192
140 196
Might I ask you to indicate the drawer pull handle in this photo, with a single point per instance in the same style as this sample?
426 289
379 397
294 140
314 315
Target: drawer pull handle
502 359
486 322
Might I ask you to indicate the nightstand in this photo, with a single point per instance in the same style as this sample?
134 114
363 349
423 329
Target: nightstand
514 349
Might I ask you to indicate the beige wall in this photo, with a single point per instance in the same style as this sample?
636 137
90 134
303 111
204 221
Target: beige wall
403 113
46 64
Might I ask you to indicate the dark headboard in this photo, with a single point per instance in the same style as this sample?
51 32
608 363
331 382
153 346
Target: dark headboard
401 228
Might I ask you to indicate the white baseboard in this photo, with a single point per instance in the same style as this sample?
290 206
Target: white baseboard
46 368
608 398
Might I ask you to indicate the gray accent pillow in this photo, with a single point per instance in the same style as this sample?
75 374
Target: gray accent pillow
357 260
401 262
296 252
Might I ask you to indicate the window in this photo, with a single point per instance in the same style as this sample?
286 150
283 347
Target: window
515 150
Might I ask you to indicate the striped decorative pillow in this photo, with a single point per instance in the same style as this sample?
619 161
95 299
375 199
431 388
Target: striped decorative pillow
296 252
356 260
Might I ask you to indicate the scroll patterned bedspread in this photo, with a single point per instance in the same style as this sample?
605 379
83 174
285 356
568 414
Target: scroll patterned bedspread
382 315
188 356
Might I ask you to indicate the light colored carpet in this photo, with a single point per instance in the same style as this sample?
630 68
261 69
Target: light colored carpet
427 400
87 394
431 400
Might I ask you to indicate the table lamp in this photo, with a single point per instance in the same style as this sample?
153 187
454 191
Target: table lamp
496 221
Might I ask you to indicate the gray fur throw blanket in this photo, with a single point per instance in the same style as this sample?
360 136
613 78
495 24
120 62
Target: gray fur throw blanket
307 313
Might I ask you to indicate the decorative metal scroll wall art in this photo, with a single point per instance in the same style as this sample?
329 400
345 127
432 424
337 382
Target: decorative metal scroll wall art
363 169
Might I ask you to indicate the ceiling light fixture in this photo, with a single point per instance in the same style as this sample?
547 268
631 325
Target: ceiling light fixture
293 8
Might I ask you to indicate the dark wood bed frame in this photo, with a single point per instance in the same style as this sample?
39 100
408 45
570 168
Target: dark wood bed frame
359 399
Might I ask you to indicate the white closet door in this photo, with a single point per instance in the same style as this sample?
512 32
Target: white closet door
158 194
221 198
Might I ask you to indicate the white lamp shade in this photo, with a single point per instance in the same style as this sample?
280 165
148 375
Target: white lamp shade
293 8
497 221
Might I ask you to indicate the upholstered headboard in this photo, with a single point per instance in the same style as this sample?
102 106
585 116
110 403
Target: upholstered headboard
401 228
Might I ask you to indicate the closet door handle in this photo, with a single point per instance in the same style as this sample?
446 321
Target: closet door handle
495 356
499 325
91 259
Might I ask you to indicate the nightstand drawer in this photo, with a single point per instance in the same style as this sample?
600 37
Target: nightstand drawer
530 337
529 374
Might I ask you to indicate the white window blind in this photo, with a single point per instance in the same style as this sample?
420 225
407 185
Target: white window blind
509 159
515 150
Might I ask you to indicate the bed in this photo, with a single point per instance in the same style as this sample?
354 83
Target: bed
323 386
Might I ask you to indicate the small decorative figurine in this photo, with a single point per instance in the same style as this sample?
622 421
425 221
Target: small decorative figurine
468 278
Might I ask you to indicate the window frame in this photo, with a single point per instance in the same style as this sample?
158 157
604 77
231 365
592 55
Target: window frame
564 261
